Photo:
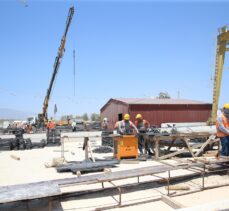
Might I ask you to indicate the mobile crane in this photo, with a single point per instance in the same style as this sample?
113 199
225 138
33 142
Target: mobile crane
222 42
43 117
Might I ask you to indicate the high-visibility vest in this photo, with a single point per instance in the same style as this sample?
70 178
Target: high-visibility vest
226 125
125 124
50 125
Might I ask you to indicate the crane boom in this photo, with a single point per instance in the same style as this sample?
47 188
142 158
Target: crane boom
222 42
43 116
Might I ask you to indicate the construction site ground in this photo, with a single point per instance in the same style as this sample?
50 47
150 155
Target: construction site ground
31 168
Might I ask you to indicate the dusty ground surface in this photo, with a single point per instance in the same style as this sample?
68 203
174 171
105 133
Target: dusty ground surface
31 168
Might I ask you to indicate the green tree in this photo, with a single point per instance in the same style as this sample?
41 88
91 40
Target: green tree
66 117
95 117
85 117
163 95
55 111
78 117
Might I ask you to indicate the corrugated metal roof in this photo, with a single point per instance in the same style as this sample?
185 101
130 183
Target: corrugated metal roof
158 101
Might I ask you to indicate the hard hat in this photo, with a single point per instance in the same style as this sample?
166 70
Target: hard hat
226 106
126 117
105 119
138 116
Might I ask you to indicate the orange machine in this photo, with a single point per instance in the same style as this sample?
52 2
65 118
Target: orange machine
125 146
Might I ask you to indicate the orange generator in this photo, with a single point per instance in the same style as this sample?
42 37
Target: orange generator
125 146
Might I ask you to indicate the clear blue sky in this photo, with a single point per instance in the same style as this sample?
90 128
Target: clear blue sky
123 49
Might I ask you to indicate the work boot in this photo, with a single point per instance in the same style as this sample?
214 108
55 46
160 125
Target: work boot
150 153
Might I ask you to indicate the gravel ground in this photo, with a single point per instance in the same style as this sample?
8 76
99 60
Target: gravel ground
31 168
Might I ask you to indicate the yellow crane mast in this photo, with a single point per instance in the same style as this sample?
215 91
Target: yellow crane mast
222 42
42 117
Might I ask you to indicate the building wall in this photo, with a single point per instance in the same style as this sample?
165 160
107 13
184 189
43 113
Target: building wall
112 110
157 114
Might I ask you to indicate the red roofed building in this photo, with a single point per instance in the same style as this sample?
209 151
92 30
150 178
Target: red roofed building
156 111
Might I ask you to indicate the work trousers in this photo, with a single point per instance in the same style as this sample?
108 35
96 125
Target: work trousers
224 146
142 145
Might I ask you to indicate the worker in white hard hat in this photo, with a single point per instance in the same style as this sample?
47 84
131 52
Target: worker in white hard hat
126 126
222 127
105 123
142 125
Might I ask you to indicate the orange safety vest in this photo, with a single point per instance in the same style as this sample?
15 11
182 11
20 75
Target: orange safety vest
226 125
50 125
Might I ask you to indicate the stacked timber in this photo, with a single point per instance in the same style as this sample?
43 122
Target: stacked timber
85 167
11 144
53 137
107 140
6 144
189 129
103 149
20 143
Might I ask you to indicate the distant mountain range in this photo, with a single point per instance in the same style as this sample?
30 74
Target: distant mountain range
6 113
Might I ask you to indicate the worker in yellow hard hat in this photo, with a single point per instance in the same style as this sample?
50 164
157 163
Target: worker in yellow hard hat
222 127
126 126
142 125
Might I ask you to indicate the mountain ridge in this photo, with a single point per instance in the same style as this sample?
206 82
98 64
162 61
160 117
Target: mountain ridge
7 113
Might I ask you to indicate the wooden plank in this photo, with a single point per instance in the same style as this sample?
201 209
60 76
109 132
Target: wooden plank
157 149
189 148
89 147
51 188
202 160
129 161
167 136
118 175
178 187
15 157
214 167
172 154
86 166
172 202
85 147
204 145
28 191
212 160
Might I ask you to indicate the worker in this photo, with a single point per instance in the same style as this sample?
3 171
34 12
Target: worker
105 123
73 126
30 128
50 125
50 128
126 126
222 127
142 125
116 127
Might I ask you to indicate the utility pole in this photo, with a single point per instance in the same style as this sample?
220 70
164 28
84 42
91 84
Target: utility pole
74 71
